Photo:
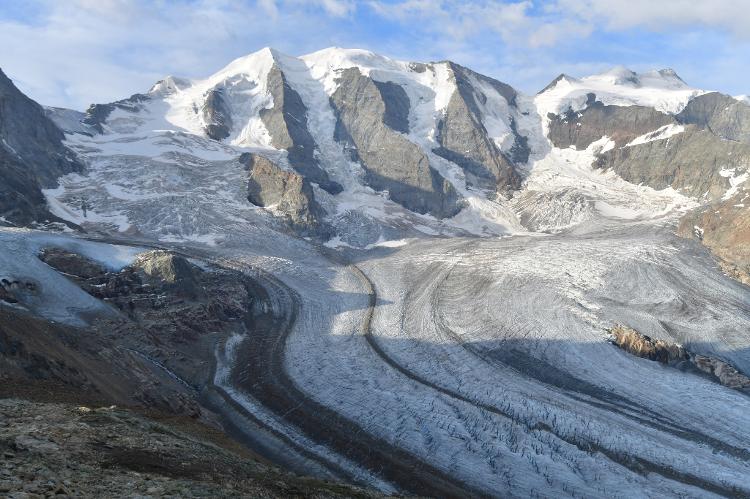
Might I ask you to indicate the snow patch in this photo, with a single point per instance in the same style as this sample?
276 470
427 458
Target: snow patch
735 181
660 134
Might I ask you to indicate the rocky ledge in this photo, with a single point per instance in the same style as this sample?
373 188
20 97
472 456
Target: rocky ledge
675 355
288 192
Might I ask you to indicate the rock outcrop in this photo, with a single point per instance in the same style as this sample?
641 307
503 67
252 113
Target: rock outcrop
724 372
286 122
98 114
392 163
464 140
621 124
217 115
172 271
722 115
724 228
32 156
643 346
288 192
693 162
675 355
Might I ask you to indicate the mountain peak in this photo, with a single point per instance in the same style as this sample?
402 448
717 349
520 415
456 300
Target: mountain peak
561 77
619 75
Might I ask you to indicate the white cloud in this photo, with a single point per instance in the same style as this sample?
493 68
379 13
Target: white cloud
661 15
84 51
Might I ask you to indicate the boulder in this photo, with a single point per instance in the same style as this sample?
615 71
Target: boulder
287 192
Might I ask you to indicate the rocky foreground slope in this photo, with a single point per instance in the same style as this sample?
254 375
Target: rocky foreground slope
70 450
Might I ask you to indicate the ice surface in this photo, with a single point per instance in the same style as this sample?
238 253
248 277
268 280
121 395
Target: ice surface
54 297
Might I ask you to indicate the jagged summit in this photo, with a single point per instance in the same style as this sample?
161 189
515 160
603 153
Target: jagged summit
562 77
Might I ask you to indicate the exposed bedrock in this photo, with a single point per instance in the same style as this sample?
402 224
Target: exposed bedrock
286 191
720 114
32 156
217 115
675 355
464 140
694 161
392 163
724 228
286 122
153 351
622 124
98 114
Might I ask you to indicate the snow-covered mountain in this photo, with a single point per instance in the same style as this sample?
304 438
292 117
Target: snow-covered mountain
357 148
333 223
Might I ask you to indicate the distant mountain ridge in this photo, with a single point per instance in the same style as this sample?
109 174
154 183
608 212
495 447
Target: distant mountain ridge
381 148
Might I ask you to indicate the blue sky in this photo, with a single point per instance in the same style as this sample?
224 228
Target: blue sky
76 52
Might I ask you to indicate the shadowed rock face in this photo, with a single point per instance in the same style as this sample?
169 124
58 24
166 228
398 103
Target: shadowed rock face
396 105
720 114
269 184
622 124
97 114
464 140
390 160
691 161
32 156
217 115
286 122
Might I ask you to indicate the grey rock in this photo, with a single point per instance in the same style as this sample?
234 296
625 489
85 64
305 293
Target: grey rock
97 114
720 114
396 105
217 115
286 122
464 140
690 161
166 267
622 124
390 160
290 192
727 374
32 156
71 263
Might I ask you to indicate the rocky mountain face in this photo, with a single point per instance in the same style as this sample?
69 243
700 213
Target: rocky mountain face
621 124
723 227
32 156
697 145
357 128
371 122
464 140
